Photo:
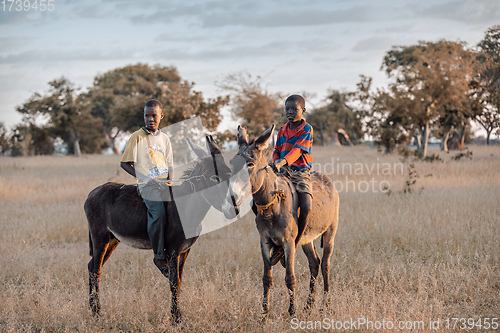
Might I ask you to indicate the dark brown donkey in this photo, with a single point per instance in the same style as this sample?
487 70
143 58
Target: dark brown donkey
277 214
116 213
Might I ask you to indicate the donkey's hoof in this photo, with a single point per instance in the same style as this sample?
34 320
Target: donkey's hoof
309 306
95 306
176 319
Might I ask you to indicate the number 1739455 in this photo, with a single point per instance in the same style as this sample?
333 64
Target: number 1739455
27 5
471 323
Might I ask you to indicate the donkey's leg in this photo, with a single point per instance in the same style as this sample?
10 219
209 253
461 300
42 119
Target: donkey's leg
99 247
173 268
328 241
267 279
313 258
289 248
182 260
113 243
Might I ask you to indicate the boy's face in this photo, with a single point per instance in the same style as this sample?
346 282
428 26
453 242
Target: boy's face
293 111
152 117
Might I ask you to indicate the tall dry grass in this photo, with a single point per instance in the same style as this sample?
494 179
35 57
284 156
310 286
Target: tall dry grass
398 257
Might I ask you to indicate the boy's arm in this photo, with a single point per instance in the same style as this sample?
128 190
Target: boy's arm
127 166
278 162
293 155
128 159
170 175
303 143
170 161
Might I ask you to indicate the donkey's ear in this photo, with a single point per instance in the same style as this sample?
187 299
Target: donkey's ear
242 136
196 149
263 140
211 145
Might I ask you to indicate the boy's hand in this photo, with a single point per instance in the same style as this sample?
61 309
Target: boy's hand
151 182
280 163
160 184
164 184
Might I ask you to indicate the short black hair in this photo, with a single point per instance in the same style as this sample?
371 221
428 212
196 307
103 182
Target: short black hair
152 103
297 99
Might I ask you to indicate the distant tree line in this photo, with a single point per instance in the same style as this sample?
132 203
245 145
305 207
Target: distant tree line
436 90
88 121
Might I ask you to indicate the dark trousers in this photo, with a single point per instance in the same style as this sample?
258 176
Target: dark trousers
157 217
157 221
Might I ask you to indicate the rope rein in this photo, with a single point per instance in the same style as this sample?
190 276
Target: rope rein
277 193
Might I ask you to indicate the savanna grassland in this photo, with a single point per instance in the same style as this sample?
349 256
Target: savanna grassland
427 255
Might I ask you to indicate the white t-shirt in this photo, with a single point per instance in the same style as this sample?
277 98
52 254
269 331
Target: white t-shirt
151 154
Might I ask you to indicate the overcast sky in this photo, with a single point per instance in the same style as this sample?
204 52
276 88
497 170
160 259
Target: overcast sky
296 46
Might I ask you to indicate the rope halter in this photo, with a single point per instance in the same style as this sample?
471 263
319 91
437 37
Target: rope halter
277 194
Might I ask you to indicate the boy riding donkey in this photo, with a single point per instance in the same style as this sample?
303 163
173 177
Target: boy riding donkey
148 157
292 156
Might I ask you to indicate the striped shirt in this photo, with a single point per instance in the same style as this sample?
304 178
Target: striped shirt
295 146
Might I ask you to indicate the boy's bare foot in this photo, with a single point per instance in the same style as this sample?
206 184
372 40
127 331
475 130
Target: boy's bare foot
162 265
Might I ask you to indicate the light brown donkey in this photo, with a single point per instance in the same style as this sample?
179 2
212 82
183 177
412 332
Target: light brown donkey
277 214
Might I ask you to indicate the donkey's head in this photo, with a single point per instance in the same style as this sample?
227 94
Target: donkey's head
249 168
209 172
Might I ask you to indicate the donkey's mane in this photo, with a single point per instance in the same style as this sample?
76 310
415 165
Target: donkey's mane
189 171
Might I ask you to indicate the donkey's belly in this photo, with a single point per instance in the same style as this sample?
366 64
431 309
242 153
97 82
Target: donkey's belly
127 221
137 242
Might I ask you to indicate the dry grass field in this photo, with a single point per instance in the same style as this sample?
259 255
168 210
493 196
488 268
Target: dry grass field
432 254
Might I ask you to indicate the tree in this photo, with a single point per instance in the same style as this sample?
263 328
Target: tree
336 120
67 117
390 123
451 126
30 139
385 113
432 78
5 143
489 115
486 85
118 97
253 104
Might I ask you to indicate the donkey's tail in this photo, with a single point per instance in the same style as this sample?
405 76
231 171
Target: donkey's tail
322 237
91 250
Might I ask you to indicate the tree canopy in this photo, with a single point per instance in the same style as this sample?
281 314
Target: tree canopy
251 103
485 86
431 80
118 97
87 121
336 121
67 118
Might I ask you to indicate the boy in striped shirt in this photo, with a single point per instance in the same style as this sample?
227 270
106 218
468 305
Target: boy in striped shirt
293 155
